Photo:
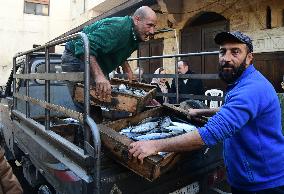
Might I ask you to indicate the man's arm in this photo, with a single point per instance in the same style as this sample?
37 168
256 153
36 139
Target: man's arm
103 87
186 142
202 112
127 69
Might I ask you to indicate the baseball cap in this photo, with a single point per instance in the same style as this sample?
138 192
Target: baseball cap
237 36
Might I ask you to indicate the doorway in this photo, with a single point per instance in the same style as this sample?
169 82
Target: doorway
198 36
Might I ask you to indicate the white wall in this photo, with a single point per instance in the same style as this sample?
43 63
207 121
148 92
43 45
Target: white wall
19 31
92 8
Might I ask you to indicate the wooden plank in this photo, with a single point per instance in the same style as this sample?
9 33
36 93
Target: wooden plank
118 101
71 113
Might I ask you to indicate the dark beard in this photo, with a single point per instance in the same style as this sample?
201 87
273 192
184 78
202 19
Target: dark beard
231 77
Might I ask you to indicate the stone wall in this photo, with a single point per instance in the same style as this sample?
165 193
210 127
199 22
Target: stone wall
247 16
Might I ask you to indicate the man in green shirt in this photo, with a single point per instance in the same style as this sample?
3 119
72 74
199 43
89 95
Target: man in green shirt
112 40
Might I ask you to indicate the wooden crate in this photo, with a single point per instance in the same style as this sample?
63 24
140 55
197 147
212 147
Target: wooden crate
117 144
119 101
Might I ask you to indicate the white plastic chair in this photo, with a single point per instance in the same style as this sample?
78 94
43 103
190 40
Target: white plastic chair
212 103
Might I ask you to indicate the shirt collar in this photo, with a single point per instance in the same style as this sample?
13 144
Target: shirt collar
133 32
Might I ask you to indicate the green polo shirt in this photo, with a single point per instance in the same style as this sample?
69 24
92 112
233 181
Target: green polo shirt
112 41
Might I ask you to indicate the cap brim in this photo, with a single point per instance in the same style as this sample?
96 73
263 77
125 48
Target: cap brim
222 37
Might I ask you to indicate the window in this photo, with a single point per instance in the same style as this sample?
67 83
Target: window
268 17
37 7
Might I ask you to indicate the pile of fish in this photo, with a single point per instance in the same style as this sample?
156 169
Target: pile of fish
128 90
157 128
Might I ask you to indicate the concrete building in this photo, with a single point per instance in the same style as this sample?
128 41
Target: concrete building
24 23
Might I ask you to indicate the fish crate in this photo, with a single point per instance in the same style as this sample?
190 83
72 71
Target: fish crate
117 145
120 100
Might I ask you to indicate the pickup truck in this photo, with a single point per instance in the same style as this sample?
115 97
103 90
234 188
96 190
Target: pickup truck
57 160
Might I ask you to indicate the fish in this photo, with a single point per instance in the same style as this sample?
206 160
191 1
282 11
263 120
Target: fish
175 130
125 130
145 127
130 135
70 120
184 126
129 90
163 153
165 122
152 136
122 87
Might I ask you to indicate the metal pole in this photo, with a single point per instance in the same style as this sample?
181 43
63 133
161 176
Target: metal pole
88 120
176 55
86 84
47 89
176 80
14 84
27 86
97 146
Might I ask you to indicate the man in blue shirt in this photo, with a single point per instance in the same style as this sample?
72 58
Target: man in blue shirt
248 124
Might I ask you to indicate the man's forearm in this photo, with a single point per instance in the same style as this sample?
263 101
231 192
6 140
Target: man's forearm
206 112
186 142
96 70
127 69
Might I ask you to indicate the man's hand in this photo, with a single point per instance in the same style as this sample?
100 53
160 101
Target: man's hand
142 149
103 88
127 69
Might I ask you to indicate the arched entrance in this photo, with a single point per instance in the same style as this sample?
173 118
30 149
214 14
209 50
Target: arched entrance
198 36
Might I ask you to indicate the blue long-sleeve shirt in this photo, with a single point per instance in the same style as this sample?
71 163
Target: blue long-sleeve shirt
249 124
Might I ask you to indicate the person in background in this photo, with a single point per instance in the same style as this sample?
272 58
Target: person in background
138 74
186 85
162 84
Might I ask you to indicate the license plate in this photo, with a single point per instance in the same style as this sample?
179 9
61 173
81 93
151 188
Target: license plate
189 189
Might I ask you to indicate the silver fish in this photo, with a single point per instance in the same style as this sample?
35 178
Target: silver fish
184 126
152 136
175 130
163 153
145 127
128 90
122 87
125 130
130 135
165 122
139 93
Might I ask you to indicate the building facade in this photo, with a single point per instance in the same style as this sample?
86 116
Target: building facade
183 26
197 22
24 23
